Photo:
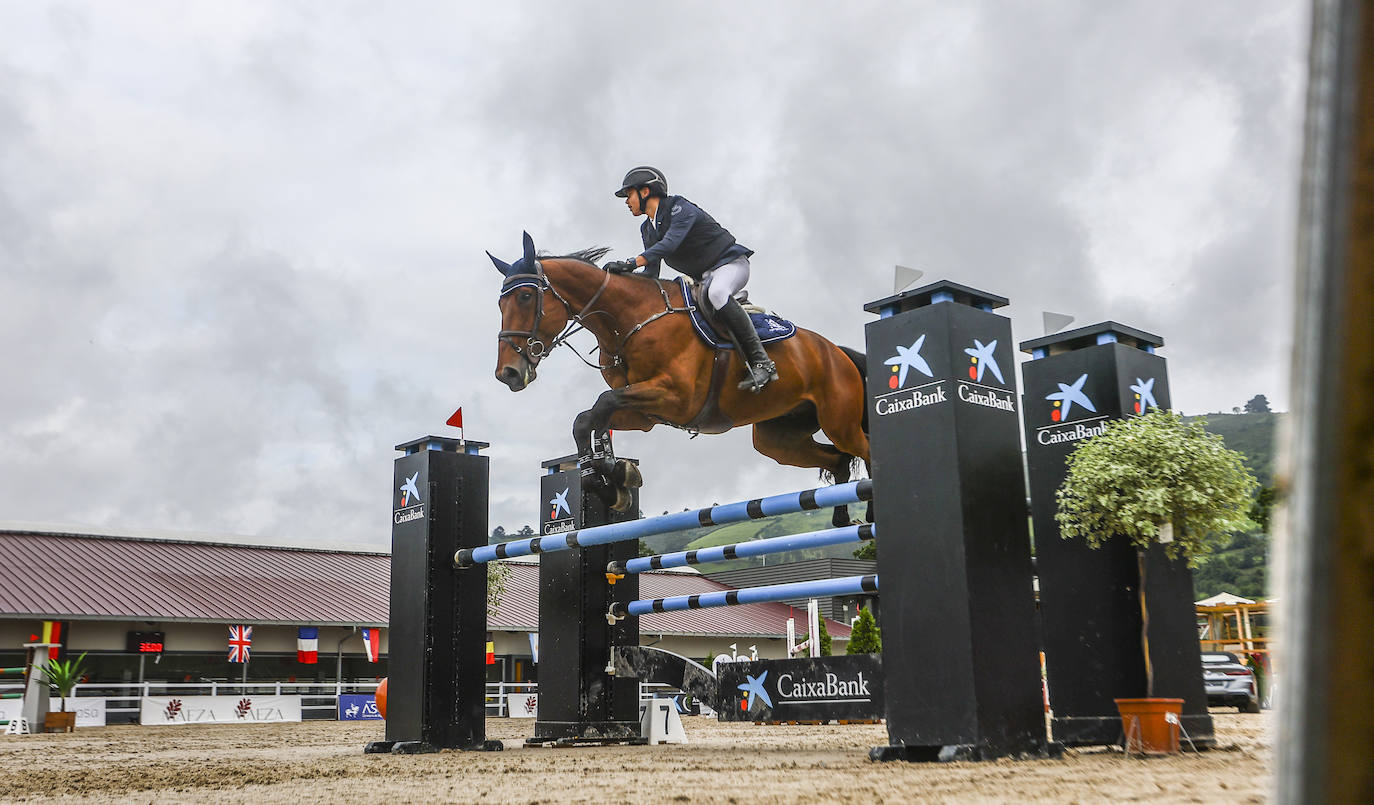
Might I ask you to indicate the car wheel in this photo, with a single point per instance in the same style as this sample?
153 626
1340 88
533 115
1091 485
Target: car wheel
1250 706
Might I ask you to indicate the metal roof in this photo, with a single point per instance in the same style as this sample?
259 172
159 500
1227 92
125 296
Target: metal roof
79 577
66 576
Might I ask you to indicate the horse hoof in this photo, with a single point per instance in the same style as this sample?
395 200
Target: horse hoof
623 499
626 474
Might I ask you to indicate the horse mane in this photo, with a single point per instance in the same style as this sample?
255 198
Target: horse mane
591 256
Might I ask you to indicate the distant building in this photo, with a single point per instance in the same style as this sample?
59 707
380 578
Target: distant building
111 591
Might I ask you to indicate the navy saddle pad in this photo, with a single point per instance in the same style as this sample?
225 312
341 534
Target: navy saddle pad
770 328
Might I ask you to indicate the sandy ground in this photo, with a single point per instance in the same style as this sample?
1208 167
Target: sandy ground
322 761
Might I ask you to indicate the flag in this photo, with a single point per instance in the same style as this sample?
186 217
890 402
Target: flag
240 640
372 641
491 653
52 633
457 421
308 644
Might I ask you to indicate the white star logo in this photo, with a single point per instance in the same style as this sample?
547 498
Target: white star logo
910 358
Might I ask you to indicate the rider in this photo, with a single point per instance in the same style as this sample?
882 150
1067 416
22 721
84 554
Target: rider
689 239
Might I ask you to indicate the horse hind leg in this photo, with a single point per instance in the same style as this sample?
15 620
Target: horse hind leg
787 440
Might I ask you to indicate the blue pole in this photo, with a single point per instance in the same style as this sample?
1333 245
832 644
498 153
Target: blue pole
821 588
758 508
741 550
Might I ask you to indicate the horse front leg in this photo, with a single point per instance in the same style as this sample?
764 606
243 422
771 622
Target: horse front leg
613 479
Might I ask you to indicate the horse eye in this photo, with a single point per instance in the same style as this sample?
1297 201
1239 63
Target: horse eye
526 296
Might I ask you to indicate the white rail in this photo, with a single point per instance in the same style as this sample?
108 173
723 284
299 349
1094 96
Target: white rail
498 693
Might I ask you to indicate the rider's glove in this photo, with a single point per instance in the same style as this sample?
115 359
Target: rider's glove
620 266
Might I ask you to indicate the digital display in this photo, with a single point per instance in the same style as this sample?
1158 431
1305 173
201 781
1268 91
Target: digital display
146 642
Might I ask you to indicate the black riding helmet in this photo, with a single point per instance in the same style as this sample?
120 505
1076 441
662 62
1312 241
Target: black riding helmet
644 176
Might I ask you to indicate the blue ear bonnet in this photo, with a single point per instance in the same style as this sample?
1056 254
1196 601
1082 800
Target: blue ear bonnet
525 271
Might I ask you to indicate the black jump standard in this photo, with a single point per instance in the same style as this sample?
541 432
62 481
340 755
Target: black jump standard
961 664
580 701
436 659
1075 382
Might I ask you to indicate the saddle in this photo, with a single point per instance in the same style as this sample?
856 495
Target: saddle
771 329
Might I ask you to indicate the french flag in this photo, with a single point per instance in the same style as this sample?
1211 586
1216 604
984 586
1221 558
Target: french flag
372 641
308 644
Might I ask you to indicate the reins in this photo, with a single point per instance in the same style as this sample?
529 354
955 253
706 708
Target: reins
535 349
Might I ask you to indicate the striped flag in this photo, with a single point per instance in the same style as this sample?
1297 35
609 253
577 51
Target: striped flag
372 641
240 640
52 633
308 644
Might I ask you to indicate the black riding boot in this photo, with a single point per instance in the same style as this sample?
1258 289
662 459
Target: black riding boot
761 369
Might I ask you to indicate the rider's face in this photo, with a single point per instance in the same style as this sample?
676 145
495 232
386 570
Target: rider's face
634 202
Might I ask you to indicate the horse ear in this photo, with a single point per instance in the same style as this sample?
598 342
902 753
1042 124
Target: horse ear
503 267
529 253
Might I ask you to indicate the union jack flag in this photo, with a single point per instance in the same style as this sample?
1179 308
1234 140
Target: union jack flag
240 640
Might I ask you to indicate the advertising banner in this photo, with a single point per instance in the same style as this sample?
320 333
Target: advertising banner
848 687
523 705
358 707
219 709
90 710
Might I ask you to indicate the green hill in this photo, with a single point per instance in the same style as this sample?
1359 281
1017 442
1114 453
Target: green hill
1250 434
1242 567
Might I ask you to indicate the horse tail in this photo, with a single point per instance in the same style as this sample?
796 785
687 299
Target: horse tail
860 361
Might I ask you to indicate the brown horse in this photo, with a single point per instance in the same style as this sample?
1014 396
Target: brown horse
660 372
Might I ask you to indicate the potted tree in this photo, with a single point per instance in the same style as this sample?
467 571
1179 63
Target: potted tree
1155 479
62 676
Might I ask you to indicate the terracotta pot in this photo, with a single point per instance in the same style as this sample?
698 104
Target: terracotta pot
1151 726
59 722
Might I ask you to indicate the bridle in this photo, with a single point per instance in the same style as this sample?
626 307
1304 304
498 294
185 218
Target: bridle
534 349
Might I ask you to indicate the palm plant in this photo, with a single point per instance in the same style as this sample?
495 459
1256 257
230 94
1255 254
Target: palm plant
62 676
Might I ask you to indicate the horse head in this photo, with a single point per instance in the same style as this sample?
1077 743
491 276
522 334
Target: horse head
528 325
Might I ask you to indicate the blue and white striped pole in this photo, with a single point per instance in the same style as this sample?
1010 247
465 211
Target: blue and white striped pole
822 498
820 588
741 550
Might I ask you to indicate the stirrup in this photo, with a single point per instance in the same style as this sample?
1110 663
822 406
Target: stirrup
761 373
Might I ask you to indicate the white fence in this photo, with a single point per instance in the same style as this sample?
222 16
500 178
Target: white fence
124 697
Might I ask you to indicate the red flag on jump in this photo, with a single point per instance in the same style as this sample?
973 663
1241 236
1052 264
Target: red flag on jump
456 421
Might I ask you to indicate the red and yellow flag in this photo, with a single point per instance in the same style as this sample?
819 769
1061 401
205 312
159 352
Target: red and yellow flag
52 633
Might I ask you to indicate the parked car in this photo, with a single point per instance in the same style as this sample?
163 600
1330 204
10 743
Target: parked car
1229 682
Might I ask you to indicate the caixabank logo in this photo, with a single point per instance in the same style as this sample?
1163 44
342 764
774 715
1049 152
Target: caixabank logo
1065 428
560 513
1144 391
408 506
983 371
909 364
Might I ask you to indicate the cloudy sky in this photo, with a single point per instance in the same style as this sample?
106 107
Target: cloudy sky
241 244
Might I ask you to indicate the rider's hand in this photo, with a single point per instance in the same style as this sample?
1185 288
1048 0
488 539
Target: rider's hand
620 266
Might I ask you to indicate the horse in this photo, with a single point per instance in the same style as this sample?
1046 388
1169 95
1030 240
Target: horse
660 373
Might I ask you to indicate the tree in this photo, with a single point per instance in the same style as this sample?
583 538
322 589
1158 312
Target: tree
868 550
1155 478
865 638
497 575
498 534
1258 404
826 648
526 531
62 676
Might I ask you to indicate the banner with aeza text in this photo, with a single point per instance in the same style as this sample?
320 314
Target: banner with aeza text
219 709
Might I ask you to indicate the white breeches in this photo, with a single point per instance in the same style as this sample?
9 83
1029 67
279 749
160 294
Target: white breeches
726 281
